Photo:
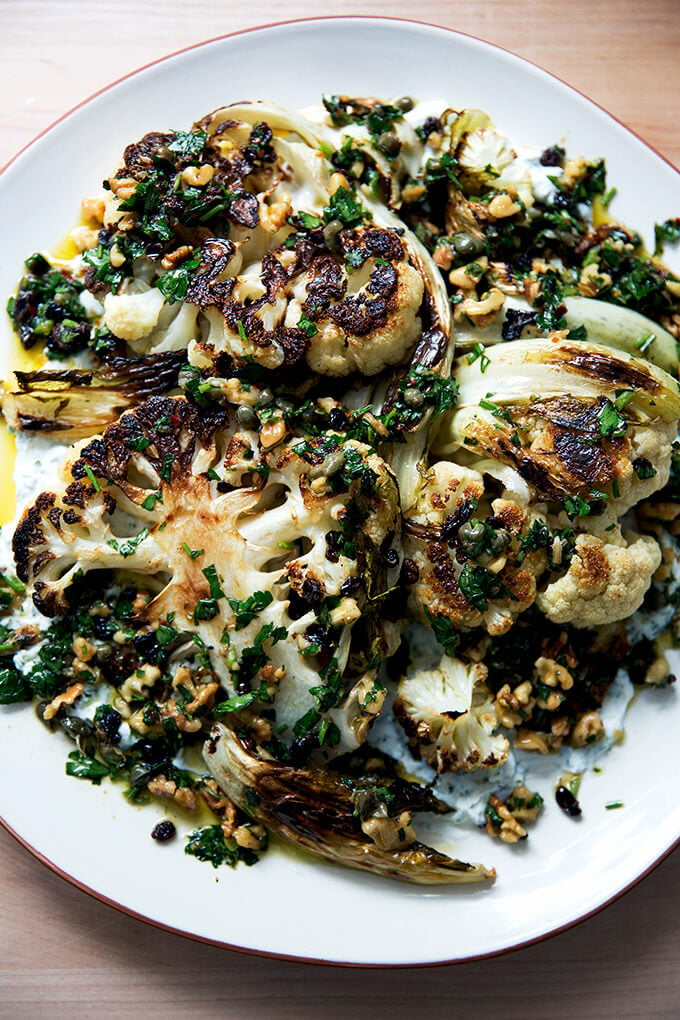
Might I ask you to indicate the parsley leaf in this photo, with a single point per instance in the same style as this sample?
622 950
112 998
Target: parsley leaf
246 610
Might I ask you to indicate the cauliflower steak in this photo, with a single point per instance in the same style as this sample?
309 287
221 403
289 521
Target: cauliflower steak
271 557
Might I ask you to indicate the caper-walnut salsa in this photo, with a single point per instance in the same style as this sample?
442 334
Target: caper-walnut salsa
375 486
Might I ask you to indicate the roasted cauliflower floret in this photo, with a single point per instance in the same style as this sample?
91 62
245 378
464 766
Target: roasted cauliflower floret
604 583
448 715
464 550
133 316
269 556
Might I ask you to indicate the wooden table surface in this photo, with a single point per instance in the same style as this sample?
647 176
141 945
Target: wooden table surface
62 953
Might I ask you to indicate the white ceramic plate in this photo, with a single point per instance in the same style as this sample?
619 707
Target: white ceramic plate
289 904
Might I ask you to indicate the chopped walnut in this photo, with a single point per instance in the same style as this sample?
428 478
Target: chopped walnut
411 193
139 682
217 800
229 821
261 729
530 740
274 216
173 258
672 324
83 649
84 237
502 206
93 209
250 836
198 176
508 829
574 169
116 257
67 697
338 181
514 706
390 833
444 255
560 726
123 187
658 672
467 277
168 789
483 311
171 710
592 280
272 432
524 804
552 674
587 730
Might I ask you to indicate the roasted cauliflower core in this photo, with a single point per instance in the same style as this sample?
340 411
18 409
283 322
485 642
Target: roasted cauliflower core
172 495
449 717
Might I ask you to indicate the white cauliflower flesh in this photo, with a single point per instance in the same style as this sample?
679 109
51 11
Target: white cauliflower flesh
269 556
570 418
240 239
605 581
356 309
133 316
449 717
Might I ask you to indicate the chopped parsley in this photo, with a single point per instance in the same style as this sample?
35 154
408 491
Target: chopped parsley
209 844
444 631
245 610
344 207
610 421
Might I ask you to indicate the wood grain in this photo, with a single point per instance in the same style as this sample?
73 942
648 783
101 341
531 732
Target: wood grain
622 54
62 953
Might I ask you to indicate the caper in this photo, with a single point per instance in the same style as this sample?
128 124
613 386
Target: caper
470 535
388 144
499 540
111 755
330 466
413 397
405 103
187 375
140 775
246 417
266 398
87 744
40 712
163 154
76 727
466 245
284 405
330 235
